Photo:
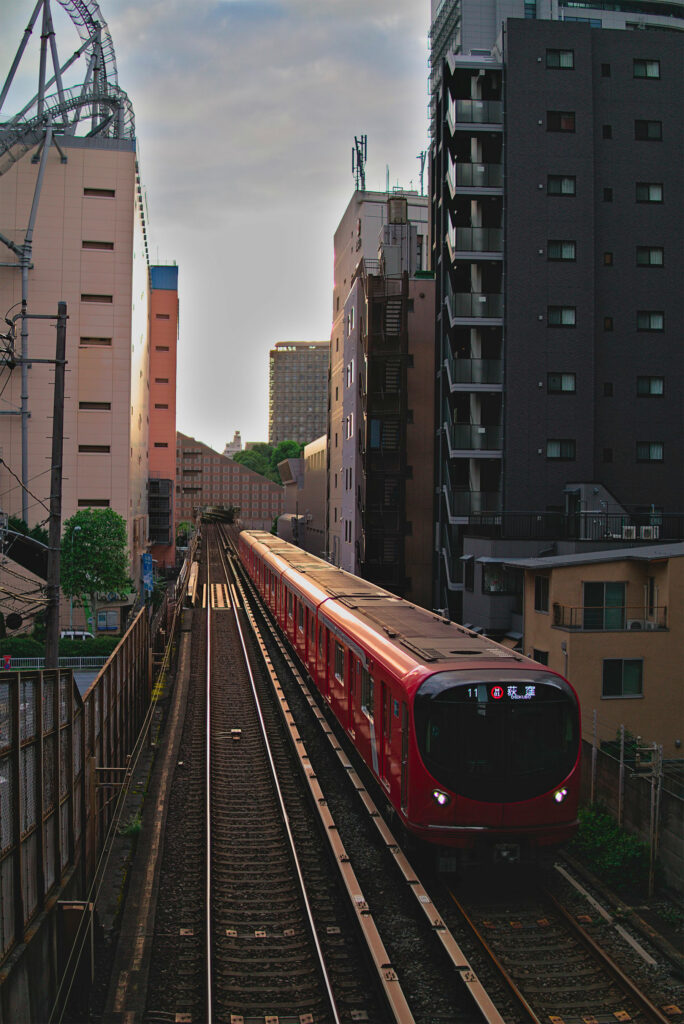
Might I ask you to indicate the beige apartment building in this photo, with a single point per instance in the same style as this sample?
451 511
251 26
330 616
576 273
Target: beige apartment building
89 249
611 622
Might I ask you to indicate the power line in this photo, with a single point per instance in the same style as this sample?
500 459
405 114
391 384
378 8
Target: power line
34 496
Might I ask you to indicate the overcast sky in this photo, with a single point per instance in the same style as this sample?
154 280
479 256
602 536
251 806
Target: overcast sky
246 112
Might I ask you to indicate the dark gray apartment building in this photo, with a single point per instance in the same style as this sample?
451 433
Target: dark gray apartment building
298 391
557 184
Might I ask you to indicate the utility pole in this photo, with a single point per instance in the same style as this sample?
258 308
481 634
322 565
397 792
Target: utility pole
55 532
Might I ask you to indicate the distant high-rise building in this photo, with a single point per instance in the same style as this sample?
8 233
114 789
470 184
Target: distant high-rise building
234 446
163 352
297 391
380 474
556 170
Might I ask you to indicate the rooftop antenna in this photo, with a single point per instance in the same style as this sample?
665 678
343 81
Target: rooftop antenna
421 156
359 157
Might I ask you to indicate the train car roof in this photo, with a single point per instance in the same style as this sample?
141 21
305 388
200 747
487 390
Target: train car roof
425 637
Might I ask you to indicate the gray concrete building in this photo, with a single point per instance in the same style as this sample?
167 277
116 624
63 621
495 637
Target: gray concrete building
297 391
556 176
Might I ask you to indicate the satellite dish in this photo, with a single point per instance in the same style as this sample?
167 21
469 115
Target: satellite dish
13 620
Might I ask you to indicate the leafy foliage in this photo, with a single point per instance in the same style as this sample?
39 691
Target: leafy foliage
264 458
94 553
618 857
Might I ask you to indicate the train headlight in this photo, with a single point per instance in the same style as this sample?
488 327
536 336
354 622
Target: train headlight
560 795
440 797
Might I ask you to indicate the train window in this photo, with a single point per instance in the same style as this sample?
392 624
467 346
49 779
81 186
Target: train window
367 692
321 642
289 605
300 617
312 633
339 662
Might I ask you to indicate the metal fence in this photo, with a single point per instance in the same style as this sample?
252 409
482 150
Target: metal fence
21 664
58 754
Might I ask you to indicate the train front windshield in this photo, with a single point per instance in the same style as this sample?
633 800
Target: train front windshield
495 739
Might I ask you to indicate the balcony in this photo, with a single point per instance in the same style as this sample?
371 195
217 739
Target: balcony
475 372
488 241
609 618
478 175
474 306
463 113
466 437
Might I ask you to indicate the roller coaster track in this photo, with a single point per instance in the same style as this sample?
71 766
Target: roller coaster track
97 102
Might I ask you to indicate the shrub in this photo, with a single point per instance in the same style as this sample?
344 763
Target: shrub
618 857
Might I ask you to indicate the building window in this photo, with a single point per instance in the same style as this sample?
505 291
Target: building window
498 579
95 406
650 451
560 449
561 316
622 677
607 455
102 246
607 259
608 389
607 195
648 131
95 342
561 185
650 320
650 256
608 323
161 348
560 120
603 606
605 71
646 68
88 297
650 385
561 383
562 59
94 448
541 593
161 405
559 249
93 502
541 656
607 131
100 193
649 192
161 444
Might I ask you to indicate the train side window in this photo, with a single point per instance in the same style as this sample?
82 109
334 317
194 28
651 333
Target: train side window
367 692
321 643
300 617
289 604
312 632
339 662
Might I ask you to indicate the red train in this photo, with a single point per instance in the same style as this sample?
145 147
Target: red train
476 746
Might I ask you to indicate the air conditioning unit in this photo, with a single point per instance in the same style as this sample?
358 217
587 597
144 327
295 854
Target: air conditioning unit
629 532
635 624
649 532
649 624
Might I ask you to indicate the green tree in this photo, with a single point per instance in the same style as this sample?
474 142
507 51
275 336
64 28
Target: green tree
284 450
94 555
257 458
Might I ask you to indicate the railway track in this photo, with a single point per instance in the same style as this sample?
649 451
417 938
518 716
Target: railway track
281 940
553 956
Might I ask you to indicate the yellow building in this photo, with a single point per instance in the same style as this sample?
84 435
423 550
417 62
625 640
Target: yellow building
611 622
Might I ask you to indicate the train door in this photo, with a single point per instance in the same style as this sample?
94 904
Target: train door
354 692
322 669
404 756
311 645
300 635
386 735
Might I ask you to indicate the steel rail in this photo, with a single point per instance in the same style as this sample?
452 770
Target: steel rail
207 806
283 809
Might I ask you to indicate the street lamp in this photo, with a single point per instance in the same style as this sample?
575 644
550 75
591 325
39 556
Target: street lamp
71 596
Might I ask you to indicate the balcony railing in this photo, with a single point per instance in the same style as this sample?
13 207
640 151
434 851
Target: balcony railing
474 371
475 239
475 305
622 529
474 112
479 175
473 437
609 618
